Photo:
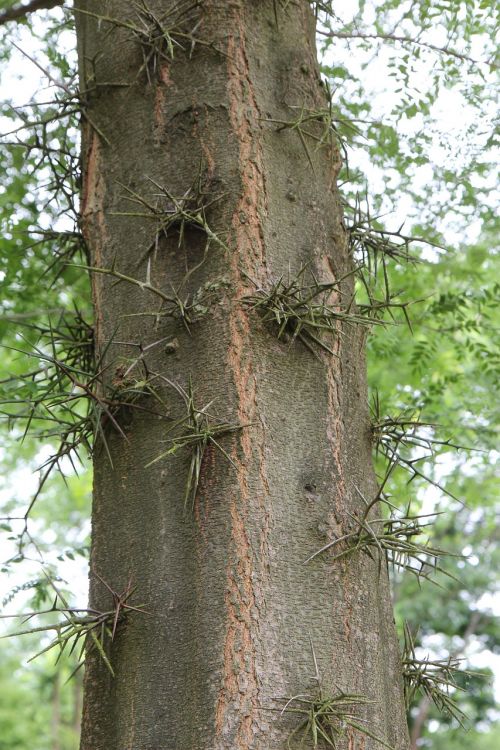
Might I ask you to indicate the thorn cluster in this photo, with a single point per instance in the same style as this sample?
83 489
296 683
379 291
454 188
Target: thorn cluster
304 312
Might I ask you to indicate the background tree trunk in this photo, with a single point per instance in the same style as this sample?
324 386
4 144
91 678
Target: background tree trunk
232 606
56 712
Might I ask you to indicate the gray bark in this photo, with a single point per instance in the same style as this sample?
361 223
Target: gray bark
232 606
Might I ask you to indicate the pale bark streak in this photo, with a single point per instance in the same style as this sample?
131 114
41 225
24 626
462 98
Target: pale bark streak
93 221
241 691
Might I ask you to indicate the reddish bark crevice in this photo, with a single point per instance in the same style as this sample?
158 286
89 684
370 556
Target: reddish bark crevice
335 431
240 683
245 118
92 218
163 84
240 688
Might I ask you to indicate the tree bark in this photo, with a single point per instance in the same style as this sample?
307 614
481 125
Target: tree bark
232 608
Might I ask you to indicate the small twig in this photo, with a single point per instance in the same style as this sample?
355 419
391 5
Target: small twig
58 84
405 40
19 12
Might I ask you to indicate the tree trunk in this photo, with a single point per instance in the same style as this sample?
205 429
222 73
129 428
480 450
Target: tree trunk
232 610
77 704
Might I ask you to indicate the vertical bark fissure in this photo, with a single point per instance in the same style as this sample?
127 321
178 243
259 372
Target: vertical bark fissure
249 256
92 217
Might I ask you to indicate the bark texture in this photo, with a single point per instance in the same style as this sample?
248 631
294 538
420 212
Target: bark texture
232 606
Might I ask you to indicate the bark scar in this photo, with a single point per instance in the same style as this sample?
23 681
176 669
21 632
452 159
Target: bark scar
164 83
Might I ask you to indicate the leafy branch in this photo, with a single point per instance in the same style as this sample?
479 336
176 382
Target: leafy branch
19 12
402 39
